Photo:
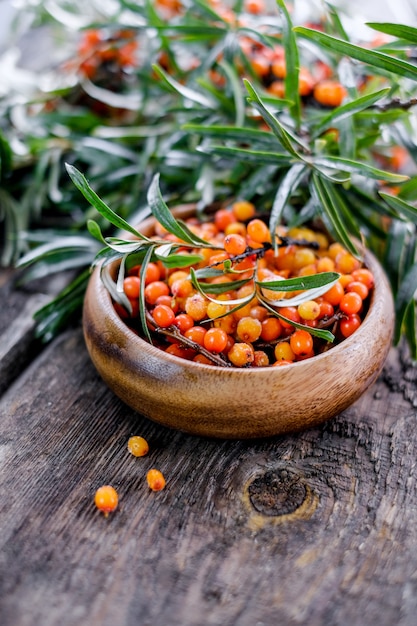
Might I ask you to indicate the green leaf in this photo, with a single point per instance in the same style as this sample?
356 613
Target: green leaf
292 63
322 188
290 182
356 167
82 185
349 109
404 298
279 131
226 133
179 260
235 84
300 283
410 329
370 57
316 332
164 216
185 92
409 33
409 211
253 156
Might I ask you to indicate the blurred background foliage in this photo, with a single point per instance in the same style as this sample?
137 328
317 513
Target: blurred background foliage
299 109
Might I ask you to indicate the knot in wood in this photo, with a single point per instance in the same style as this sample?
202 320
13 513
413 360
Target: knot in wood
277 492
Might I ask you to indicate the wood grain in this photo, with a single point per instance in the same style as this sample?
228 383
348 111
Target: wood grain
314 528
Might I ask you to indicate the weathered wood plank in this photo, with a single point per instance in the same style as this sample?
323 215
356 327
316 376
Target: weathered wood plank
315 528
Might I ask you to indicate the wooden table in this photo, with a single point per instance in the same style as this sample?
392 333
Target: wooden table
315 528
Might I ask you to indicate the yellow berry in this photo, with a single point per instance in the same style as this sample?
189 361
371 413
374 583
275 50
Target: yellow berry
155 480
138 446
106 499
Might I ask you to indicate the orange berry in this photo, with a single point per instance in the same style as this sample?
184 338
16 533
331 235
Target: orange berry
271 329
223 217
241 354
215 340
163 315
196 334
284 352
131 286
351 303
138 446
290 313
329 93
301 342
234 244
153 272
349 325
106 499
365 276
243 210
258 231
359 288
183 322
334 294
155 480
196 306
154 290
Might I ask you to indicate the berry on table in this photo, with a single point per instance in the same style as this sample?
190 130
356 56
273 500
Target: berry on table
138 446
106 499
155 480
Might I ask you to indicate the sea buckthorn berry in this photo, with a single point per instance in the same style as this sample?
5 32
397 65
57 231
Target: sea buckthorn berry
243 210
196 306
334 294
234 244
259 312
138 446
241 354
326 309
305 82
260 359
168 301
183 322
258 231
302 257
106 499
290 313
154 290
349 324
346 263
131 286
329 93
163 315
359 288
248 329
271 329
284 352
184 353
200 358
153 272
325 264
351 303
223 217
365 276
301 342
217 260
196 334
215 309
182 288
335 249
309 310
227 323
155 480
215 340
345 279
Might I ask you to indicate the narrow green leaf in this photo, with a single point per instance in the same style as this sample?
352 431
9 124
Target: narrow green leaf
404 208
356 167
350 108
82 185
142 301
164 216
279 131
235 84
292 63
320 188
185 92
316 332
300 283
410 329
226 133
409 33
370 57
290 183
405 296
253 156
179 260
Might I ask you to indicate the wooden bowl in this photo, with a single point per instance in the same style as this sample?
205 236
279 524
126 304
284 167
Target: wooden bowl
231 402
